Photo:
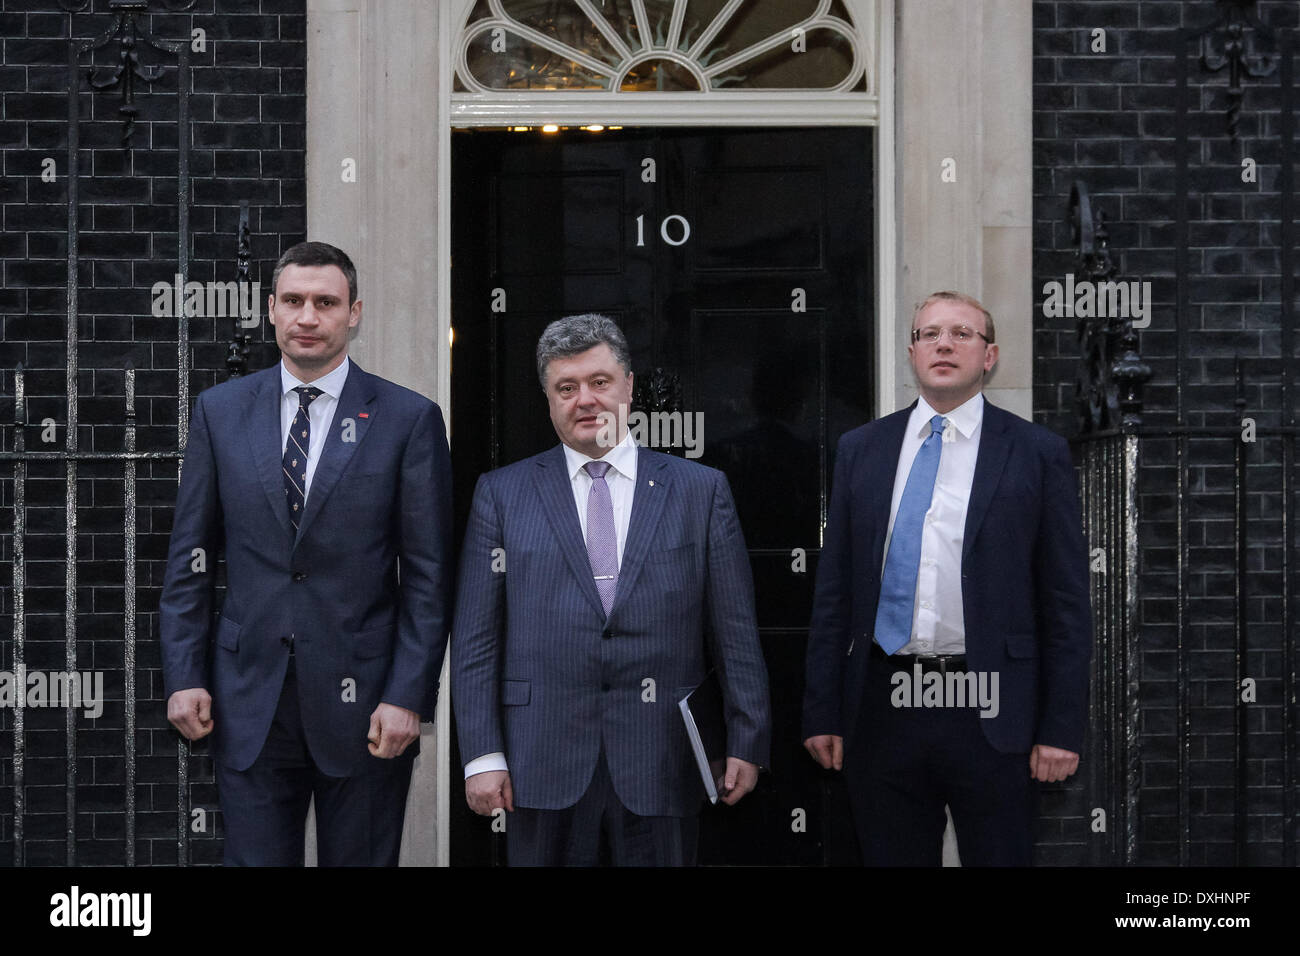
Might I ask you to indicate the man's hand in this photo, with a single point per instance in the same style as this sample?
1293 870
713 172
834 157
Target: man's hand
392 729
739 779
190 712
827 750
1052 764
485 792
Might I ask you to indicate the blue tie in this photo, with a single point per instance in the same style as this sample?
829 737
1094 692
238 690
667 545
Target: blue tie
898 582
294 465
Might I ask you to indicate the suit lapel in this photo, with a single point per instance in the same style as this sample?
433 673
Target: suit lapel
555 489
995 445
352 417
262 421
647 505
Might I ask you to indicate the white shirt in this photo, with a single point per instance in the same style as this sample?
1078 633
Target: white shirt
938 618
320 412
621 479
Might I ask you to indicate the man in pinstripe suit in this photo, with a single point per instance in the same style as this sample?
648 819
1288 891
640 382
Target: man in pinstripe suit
597 585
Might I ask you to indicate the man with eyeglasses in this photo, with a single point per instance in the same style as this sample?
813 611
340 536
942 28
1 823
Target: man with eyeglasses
951 630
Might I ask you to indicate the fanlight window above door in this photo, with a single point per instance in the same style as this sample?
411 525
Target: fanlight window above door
661 46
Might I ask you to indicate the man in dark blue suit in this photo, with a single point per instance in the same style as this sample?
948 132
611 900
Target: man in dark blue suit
598 582
329 490
951 632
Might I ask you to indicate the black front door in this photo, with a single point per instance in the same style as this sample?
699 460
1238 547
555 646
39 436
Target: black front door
739 265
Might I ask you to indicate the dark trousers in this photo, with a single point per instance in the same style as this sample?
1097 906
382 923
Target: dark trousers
264 808
907 763
572 836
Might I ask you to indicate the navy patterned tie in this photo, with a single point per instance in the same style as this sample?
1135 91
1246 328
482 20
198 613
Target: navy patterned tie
294 465
602 542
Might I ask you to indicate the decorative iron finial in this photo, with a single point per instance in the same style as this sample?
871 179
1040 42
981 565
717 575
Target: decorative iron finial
1108 388
1130 373
238 351
131 34
1090 236
1234 48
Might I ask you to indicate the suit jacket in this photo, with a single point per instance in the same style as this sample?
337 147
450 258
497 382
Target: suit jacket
380 499
539 672
1024 581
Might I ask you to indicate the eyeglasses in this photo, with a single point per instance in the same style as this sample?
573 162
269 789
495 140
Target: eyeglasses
958 335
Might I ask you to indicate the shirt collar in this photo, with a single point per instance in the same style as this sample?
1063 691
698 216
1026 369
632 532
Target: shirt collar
622 458
330 383
965 418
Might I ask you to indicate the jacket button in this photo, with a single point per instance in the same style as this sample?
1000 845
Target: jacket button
300 575
607 634
605 688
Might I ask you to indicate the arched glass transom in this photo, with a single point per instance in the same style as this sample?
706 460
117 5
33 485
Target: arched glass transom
661 46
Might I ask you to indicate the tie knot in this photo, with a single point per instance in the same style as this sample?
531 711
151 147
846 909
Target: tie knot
307 394
596 469
938 424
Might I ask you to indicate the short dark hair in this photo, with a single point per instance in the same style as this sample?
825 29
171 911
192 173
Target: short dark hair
318 254
577 333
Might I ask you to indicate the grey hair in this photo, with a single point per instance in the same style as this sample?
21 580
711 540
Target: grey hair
575 334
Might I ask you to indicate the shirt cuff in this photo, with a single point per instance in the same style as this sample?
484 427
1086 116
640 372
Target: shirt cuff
494 761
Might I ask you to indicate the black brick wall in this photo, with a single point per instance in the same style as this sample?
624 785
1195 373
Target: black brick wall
1110 120
1106 118
248 112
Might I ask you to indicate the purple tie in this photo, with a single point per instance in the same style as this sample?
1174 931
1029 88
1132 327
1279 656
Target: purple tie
602 543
